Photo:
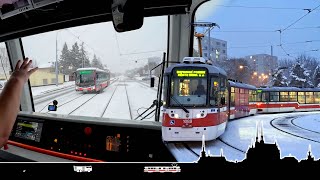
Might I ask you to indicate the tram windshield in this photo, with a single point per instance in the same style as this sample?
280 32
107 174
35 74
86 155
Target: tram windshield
127 57
85 77
189 87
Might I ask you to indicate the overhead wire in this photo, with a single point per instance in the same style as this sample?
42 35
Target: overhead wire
95 51
293 23
289 27
259 7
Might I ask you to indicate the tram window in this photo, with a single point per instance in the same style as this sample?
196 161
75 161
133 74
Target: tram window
232 99
301 97
259 97
5 66
189 92
252 96
242 99
214 93
265 97
284 96
165 89
274 96
316 97
223 91
309 98
293 96
232 89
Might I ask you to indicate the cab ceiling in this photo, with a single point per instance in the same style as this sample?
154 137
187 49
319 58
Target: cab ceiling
70 13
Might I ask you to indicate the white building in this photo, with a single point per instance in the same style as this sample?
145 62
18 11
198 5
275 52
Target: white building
218 48
262 63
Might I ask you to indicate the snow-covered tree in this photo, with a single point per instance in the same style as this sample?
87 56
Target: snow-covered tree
300 76
96 62
316 77
279 79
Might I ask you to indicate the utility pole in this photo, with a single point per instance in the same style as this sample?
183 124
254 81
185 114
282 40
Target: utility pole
56 64
82 54
210 26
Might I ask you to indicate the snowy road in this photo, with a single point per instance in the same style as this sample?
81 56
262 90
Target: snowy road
123 99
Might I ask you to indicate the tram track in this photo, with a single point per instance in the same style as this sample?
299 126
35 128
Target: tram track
125 87
219 139
80 95
106 107
120 83
292 121
51 94
286 125
229 145
82 104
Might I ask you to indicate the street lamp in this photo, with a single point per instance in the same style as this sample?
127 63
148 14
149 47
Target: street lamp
241 67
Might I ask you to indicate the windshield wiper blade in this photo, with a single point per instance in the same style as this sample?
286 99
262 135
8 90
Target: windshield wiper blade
183 108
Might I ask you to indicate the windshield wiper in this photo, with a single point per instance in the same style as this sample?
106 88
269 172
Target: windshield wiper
185 110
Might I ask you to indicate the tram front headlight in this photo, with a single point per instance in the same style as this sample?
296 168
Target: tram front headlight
176 115
198 115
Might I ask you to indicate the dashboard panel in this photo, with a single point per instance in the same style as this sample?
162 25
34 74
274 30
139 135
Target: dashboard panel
90 139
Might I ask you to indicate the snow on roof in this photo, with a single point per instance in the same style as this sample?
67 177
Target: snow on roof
45 65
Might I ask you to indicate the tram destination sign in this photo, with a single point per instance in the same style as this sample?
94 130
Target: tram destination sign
191 73
85 72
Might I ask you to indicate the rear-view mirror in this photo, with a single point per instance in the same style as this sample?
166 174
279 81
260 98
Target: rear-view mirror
127 15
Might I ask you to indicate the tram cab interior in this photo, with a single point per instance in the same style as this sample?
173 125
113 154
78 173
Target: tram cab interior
65 138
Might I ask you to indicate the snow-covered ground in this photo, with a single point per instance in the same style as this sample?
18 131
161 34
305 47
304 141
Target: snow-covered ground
123 99
241 133
44 89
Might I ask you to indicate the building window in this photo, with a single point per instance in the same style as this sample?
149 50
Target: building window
224 45
218 43
205 48
205 54
223 51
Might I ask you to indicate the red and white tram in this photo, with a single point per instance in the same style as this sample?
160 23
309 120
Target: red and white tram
287 99
195 101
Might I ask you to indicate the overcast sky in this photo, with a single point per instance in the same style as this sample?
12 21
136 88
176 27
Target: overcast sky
249 27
